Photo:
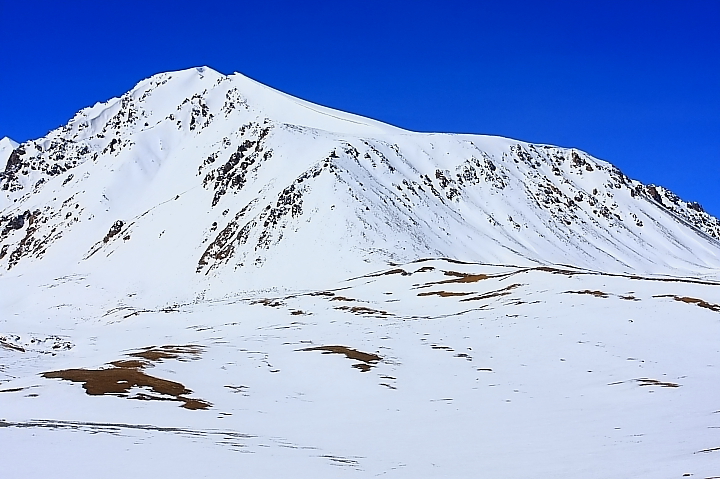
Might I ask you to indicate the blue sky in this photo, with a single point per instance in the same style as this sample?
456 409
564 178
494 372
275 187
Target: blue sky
633 82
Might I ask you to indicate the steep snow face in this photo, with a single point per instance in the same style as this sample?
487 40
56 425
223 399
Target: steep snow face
195 180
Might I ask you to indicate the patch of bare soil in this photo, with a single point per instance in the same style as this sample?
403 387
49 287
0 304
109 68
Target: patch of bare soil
12 347
444 294
449 260
711 449
548 269
597 294
158 353
123 375
273 303
342 298
368 360
459 278
388 273
12 390
362 310
425 269
685 299
655 382
493 294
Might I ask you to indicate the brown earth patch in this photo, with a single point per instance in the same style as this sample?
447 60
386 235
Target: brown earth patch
548 269
711 449
388 273
493 294
361 310
469 278
12 390
685 299
459 278
12 346
368 360
449 260
444 294
597 294
158 353
655 382
425 269
123 375
273 303
342 298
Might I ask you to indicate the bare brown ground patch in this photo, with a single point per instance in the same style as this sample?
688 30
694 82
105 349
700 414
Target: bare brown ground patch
399 271
597 294
368 360
466 278
123 375
711 449
12 390
655 382
322 293
444 294
273 303
649 382
425 269
342 298
685 299
11 346
549 269
158 353
493 294
362 310
459 278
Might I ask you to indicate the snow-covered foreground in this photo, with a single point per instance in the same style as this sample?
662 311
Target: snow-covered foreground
427 369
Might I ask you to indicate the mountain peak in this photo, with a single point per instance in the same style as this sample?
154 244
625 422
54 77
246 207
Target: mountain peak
208 177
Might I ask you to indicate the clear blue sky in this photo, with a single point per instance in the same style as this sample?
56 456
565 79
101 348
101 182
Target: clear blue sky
633 82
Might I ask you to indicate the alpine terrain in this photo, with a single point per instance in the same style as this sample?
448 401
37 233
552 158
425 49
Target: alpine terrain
210 277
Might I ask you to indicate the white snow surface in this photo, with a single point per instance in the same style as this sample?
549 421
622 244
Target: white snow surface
487 307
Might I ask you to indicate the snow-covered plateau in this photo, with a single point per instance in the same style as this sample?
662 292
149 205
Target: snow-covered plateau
209 277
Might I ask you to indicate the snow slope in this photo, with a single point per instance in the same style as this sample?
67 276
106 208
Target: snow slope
334 296
6 147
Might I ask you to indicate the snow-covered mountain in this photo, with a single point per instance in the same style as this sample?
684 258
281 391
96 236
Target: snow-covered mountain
213 231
